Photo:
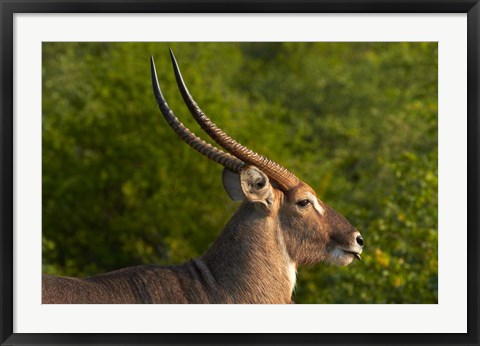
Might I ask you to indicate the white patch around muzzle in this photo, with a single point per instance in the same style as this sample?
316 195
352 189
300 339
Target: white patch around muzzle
339 257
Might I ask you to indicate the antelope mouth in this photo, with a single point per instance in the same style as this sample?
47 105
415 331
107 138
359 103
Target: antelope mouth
340 256
355 255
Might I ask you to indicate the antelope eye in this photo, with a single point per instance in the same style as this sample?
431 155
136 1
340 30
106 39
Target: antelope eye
303 203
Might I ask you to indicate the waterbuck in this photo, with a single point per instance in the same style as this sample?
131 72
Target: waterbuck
280 225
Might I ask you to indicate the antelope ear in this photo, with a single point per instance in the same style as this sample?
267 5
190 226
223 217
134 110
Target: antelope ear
256 186
251 184
231 183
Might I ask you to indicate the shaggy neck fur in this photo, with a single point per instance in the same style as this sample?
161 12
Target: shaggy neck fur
249 261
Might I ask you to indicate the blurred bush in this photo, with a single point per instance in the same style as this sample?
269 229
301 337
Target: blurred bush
357 121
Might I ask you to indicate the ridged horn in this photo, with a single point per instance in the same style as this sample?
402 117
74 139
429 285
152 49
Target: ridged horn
204 148
283 177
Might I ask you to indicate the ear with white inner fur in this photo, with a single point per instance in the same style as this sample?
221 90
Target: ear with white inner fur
256 186
251 184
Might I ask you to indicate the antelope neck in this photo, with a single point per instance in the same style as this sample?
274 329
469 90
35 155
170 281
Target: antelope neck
249 261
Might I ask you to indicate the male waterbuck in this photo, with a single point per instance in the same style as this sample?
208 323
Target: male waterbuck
280 225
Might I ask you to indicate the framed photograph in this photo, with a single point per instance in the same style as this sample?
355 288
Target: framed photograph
239 173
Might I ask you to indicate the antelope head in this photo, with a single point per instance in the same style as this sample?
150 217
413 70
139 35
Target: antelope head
311 231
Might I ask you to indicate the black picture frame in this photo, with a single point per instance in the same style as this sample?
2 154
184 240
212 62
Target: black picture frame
9 8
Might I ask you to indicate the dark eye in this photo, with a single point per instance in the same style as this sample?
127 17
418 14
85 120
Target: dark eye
303 203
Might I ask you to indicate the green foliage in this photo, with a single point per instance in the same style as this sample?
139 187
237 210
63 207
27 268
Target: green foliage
357 121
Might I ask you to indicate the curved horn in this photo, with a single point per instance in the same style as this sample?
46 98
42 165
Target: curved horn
283 177
225 159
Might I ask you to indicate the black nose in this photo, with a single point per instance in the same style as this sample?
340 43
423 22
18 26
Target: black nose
360 241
